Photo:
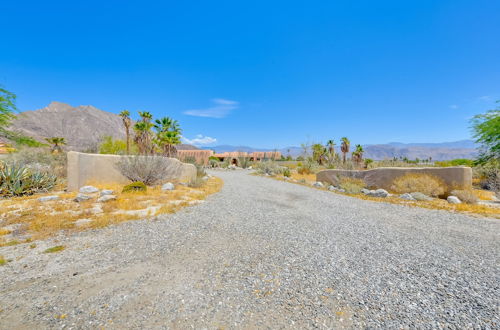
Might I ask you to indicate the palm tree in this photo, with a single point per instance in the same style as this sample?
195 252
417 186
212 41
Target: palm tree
146 116
319 152
168 135
125 114
56 142
357 155
143 137
344 147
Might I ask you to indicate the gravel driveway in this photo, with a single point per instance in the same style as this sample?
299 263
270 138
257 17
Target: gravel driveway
268 254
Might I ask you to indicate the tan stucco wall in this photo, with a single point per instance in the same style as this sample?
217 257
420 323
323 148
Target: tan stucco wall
454 177
85 168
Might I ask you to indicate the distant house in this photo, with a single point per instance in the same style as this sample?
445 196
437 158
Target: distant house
202 156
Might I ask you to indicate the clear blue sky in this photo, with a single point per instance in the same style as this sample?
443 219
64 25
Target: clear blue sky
263 73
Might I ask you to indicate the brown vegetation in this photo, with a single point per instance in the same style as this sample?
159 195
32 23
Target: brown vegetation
427 184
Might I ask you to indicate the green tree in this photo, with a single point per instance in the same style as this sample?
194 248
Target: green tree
344 147
127 122
486 129
319 153
56 142
357 154
112 146
7 107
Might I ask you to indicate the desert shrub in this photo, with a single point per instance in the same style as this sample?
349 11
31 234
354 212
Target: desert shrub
135 187
200 170
455 162
40 159
309 166
286 172
465 195
19 180
213 162
244 162
112 146
427 184
351 185
148 169
268 167
488 175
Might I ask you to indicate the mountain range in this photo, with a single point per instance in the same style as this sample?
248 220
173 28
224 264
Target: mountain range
84 126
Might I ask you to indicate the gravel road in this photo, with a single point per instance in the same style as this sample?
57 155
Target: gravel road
263 254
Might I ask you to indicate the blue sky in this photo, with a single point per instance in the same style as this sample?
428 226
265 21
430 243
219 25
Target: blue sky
263 73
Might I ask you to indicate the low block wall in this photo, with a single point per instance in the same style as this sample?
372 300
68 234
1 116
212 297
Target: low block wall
454 177
85 168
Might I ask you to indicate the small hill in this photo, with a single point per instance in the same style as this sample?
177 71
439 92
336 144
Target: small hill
83 126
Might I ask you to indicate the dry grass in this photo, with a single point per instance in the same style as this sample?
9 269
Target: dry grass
465 195
427 184
484 195
42 220
307 177
351 185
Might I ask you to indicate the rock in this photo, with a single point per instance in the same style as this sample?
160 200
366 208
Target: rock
106 192
96 209
407 197
205 178
318 184
48 198
168 186
82 222
378 193
250 167
365 191
420 197
82 197
88 190
342 190
453 200
106 198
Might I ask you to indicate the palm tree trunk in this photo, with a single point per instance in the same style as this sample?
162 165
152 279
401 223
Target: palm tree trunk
128 141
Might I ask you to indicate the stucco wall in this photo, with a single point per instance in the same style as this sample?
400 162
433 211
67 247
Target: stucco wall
454 177
85 168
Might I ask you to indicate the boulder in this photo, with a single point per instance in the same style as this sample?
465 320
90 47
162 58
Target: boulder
168 186
365 191
407 196
420 197
106 198
82 197
49 198
318 184
105 192
378 193
88 190
453 200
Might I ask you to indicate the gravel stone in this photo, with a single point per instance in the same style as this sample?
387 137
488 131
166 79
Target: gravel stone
453 200
168 186
272 255
88 190
49 198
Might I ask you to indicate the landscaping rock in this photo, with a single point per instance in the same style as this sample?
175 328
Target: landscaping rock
49 198
82 197
378 193
168 186
342 190
106 198
407 196
318 184
106 192
453 200
88 190
82 222
365 191
96 209
420 197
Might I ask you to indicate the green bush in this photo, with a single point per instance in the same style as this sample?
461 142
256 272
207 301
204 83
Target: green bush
112 146
268 167
286 172
40 159
351 185
19 180
135 187
455 162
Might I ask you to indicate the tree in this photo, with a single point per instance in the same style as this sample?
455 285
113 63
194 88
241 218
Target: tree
143 137
486 128
168 135
7 107
125 114
56 142
319 153
344 147
112 146
357 154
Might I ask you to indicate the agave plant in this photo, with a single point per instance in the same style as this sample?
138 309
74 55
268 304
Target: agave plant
18 180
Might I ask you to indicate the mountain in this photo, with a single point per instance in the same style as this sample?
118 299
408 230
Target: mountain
438 151
83 126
